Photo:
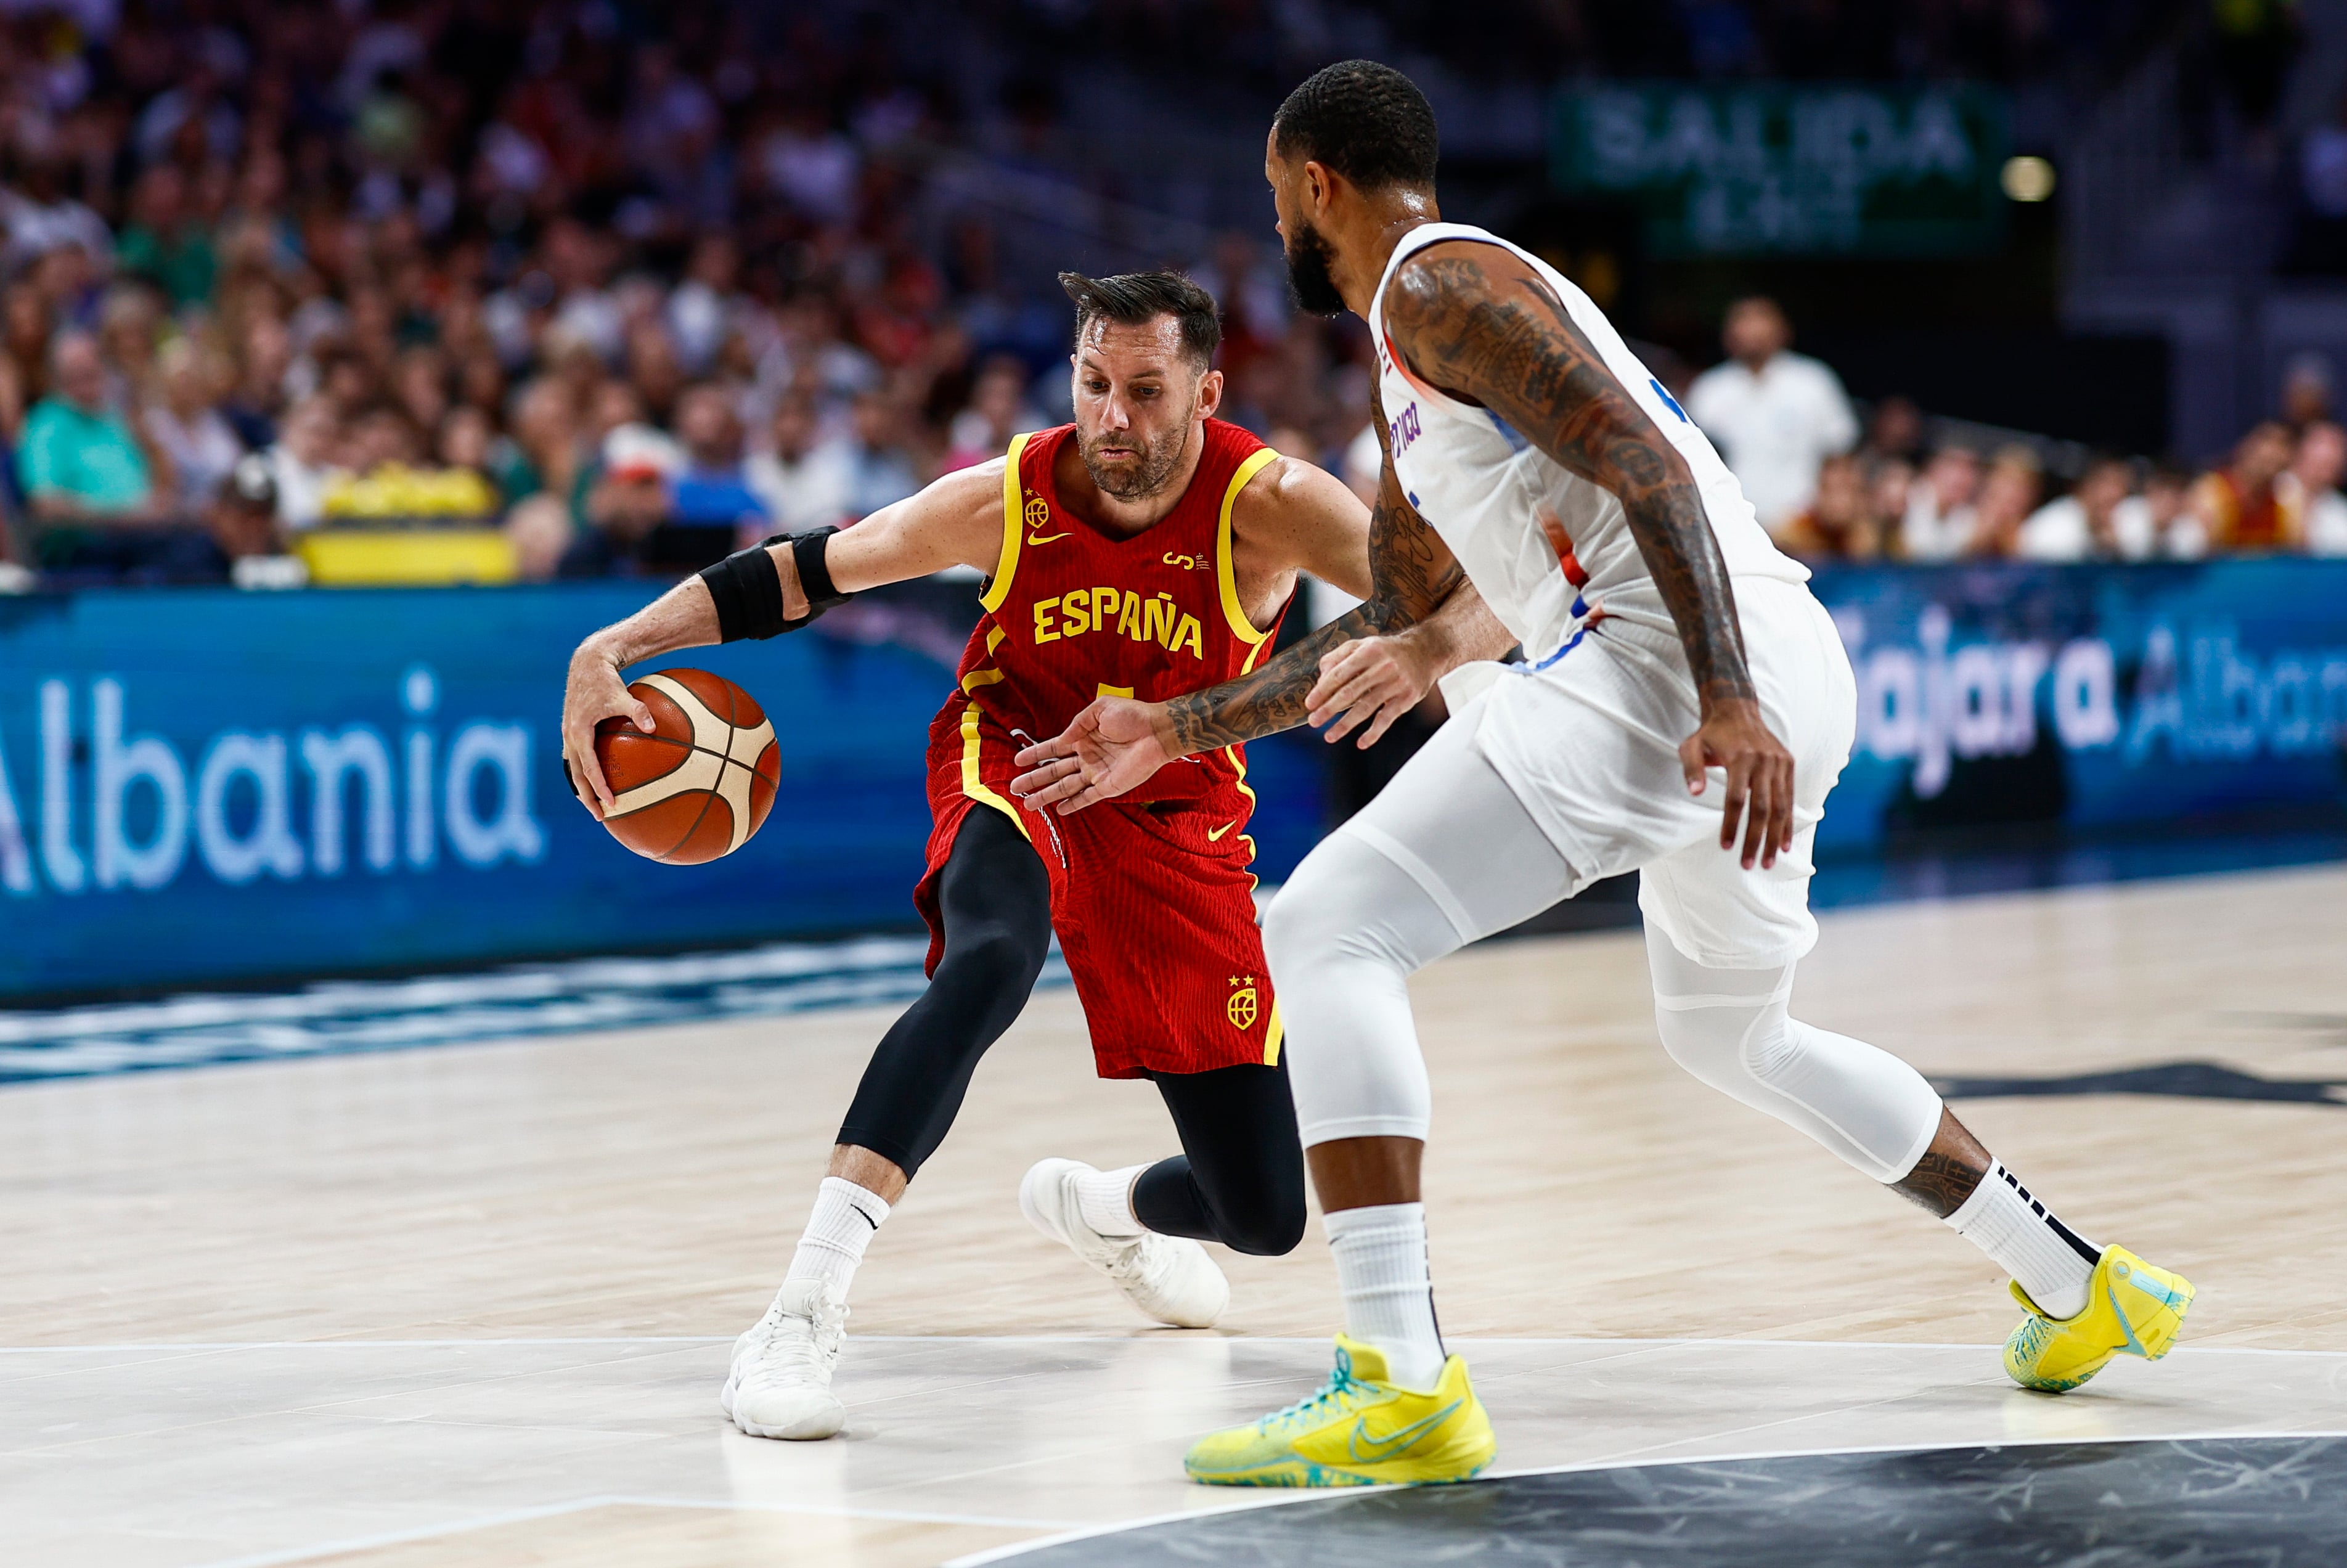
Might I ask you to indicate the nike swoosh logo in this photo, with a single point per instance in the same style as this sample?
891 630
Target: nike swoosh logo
1367 1449
1044 539
2134 1346
1214 835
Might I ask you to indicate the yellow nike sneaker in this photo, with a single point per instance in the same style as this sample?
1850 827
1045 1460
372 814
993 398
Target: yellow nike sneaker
1358 1431
2132 1308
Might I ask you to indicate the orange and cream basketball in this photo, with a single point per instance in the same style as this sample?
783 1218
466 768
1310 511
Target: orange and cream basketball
701 782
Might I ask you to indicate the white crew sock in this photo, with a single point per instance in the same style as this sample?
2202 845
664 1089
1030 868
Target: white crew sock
1380 1254
2044 1255
839 1227
1104 1199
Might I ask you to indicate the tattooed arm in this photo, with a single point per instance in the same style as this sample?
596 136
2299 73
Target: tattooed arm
1478 323
1366 668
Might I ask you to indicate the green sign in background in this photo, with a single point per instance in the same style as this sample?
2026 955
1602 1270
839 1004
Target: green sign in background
1799 170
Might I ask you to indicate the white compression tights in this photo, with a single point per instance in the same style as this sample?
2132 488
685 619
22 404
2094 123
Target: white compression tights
1447 856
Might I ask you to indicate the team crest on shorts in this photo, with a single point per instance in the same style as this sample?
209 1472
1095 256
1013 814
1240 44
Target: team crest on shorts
1240 1007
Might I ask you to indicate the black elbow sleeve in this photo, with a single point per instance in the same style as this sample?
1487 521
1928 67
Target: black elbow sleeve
747 588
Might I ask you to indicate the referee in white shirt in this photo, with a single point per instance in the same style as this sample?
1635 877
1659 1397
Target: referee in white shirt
1774 415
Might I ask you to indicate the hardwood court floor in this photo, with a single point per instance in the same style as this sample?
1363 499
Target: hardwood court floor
641 1191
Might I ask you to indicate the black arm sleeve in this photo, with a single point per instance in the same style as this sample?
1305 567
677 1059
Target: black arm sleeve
747 588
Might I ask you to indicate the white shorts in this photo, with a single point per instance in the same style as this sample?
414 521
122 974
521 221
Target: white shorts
1590 743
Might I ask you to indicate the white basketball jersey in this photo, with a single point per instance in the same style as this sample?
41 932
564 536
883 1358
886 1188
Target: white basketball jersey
1484 488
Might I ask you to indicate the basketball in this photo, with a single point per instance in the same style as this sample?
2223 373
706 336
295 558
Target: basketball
701 783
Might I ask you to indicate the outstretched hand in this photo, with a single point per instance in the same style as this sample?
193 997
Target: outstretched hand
592 693
1734 737
1108 750
1367 685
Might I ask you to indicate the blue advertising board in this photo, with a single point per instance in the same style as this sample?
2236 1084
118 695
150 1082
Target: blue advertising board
2098 697
199 787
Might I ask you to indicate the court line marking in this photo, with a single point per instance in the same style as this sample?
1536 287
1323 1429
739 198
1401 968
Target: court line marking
1017 1549
617 1499
1138 1338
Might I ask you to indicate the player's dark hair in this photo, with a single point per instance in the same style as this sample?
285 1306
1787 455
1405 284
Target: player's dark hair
1135 299
1367 121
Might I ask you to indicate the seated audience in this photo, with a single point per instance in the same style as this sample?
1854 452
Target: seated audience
879 472
2088 524
186 424
1939 520
2236 505
2157 514
805 481
710 490
998 410
2309 489
89 485
1837 524
2007 497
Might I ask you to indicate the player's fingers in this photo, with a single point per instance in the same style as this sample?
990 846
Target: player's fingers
1369 687
596 796
1041 775
1059 745
1760 821
1691 762
1740 790
1386 713
1337 667
1053 793
1088 796
1779 839
642 715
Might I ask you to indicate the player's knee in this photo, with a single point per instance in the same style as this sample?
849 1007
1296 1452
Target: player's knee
1295 927
997 950
1270 1226
1712 1043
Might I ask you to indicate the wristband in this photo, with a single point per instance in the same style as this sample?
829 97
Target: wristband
746 587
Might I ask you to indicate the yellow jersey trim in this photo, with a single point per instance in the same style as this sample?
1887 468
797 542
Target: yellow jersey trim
982 677
1274 1033
975 786
1233 611
1238 766
1005 563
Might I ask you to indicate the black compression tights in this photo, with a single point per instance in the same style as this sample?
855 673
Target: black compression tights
1240 1177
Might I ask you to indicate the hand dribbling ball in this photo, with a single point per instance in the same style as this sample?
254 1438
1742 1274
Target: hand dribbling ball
701 782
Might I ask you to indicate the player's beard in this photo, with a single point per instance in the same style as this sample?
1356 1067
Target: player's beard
1137 481
1308 255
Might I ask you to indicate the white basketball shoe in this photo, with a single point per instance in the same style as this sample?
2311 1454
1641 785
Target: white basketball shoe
780 1382
1170 1277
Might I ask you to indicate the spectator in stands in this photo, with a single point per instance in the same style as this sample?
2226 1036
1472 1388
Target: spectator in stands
1776 414
879 472
241 511
302 463
998 410
2088 524
2235 505
2157 514
2007 497
1894 433
1938 521
627 506
805 481
710 490
166 243
185 423
1837 524
2309 489
90 484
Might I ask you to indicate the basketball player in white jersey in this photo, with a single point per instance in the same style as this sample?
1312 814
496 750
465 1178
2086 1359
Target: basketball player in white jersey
1684 708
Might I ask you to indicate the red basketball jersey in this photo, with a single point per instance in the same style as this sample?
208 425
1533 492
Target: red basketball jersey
1074 612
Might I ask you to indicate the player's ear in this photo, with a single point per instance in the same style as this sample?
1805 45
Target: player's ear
1210 394
1319 186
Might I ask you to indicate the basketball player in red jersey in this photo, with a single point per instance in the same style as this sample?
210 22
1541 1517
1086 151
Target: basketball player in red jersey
1148 550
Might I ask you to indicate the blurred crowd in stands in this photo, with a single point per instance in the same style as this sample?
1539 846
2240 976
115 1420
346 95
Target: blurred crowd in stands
626 293
1829 491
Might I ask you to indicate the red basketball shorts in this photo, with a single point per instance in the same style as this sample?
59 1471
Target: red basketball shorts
1154 908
